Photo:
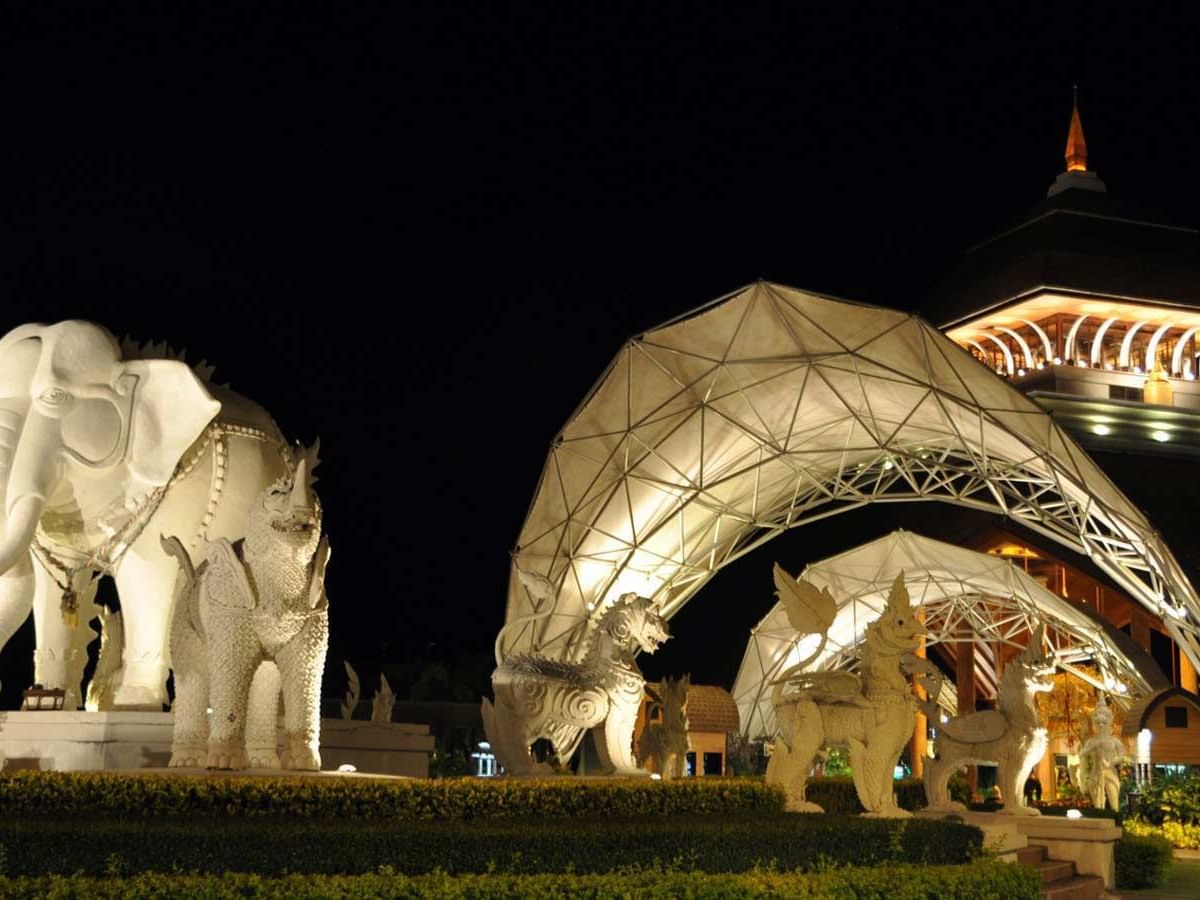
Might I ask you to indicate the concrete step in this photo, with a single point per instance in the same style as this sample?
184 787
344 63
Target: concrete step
1053 870
1077 887
1031 855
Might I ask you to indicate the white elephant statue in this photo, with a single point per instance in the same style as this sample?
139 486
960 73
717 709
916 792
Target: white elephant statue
251 620
99 455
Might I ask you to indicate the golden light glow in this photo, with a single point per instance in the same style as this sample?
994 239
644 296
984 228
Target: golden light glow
1014 550
1076 146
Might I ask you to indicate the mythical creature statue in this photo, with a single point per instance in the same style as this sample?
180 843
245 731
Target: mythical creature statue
383 702
663 743
870 714
538 697
353 689
108 665
1011 736
103 448
261 599
1098 759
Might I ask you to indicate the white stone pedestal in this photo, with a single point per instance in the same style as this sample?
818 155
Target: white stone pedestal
65 741
1088 843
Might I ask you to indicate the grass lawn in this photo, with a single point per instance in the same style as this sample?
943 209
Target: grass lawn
1183 883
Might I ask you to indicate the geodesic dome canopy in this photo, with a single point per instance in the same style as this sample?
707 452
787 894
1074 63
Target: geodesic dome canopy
771 408
963 594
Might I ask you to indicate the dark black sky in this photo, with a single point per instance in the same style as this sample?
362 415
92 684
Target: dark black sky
422 232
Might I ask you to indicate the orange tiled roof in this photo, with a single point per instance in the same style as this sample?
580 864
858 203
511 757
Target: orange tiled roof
710 708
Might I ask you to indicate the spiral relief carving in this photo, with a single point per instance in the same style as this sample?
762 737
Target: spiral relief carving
537 697
530 697
582 708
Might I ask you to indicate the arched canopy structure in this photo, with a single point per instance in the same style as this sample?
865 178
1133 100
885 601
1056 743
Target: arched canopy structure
963 594
771 408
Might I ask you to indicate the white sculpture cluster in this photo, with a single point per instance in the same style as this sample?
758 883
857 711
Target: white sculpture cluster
254 613
537 697
1098 760
663 743
1012 736
871 714
102 449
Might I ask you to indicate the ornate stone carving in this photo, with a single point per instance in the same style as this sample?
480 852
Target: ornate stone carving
1011 737
107 676
1098 759
109 447
870 713
663 744
260 600
548 698
383 702
350 701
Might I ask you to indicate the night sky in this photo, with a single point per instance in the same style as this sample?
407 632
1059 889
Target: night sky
422 233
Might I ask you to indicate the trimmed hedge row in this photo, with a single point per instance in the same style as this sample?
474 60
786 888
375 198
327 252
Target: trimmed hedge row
270 846
836 795
100 793
974 882
1142 861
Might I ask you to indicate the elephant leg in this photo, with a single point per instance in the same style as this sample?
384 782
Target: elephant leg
146 584
301 664
52 659
262 719
234 654
16 598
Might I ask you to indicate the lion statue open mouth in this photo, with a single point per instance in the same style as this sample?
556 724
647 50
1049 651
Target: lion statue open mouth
538 697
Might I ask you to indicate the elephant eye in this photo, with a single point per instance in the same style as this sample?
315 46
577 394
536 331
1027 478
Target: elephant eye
54 396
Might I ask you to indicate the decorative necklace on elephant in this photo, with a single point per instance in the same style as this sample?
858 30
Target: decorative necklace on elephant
105 557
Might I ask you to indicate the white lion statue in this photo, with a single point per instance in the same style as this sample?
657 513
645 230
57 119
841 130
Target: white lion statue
1012 736
538 697
871 714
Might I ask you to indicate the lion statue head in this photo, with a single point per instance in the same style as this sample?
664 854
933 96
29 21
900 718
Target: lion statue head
634 622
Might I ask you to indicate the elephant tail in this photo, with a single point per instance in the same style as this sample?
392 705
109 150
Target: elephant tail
172 546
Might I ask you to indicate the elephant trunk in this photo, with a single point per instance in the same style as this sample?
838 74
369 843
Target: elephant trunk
21 505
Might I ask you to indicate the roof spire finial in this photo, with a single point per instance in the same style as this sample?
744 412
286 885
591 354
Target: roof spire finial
1076 153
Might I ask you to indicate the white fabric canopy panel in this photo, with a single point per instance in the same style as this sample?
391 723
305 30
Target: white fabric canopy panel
963 594
771 408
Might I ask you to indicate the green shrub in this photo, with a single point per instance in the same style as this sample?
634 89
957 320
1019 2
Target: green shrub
99 793
1172 798
1142 860
836 794
271 845
974 882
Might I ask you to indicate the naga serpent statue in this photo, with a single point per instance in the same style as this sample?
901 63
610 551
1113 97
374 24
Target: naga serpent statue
538 697
871 714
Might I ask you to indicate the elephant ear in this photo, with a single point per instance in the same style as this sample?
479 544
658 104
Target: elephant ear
171 409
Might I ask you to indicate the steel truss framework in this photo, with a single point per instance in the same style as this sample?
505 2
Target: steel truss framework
773 408
964 596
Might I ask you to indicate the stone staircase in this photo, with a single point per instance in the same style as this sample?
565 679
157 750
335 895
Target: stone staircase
1059 879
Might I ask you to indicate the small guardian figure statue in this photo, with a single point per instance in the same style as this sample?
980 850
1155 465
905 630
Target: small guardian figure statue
1098 760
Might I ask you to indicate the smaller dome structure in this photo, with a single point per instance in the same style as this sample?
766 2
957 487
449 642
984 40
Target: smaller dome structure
963 594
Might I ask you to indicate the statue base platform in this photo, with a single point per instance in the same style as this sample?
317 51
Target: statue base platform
67 741
1089 843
